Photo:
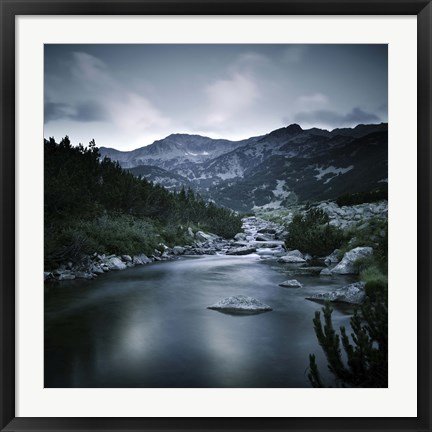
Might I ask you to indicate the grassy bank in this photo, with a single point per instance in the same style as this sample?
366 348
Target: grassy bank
93 205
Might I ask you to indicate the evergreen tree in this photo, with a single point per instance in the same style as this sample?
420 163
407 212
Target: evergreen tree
366 363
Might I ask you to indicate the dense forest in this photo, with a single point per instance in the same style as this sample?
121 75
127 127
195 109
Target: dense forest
93 205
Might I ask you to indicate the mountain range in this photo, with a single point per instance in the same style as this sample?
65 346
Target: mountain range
286 166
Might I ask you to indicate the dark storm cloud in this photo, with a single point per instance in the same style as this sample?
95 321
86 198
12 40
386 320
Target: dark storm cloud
84 112
143 92
328 117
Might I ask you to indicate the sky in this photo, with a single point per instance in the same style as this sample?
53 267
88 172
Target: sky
128 96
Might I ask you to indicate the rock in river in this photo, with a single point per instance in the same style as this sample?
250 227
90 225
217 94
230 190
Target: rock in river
240 304
291 283
241 251
353 294
291 259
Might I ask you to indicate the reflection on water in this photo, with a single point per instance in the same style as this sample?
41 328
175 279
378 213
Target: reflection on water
149 326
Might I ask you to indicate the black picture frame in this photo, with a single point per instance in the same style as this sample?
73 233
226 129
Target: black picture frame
11 8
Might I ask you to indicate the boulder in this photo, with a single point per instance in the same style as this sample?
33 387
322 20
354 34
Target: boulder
291 283
84 275
291 259
240 304
347 265
296 253
178 250
126 258
352 294
240 236
205 237
115 263
241 251
65 275
97 269
325 272
332 258
141 259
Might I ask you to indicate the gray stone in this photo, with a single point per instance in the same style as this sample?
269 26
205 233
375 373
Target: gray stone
115 263
178 250
332 258
325 272
240 236
353 294
97 269
84 275
66 275
291 283
347 265
291 259
240 304
205 237
241 251
126 258
296 253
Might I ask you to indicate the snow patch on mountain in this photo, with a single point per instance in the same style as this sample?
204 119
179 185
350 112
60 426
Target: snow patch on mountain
331 170
233 169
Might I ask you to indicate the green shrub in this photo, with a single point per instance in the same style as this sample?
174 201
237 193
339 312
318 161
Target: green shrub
118 234
374 234
311 232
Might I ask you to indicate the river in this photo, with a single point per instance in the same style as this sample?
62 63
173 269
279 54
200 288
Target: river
149 326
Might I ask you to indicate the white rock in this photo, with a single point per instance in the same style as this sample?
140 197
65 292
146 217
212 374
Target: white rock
353 294
292 283
296 253
66 276
291 259
347 265
325 272
240 304
97 269
115 263
332 258
178 250
141 259
83 275
204 237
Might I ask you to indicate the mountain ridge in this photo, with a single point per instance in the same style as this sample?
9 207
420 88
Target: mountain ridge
285 166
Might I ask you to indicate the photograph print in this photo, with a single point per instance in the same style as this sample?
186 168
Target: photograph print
215 215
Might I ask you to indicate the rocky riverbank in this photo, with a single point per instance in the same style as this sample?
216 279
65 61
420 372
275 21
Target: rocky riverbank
344 216
259 236
91 266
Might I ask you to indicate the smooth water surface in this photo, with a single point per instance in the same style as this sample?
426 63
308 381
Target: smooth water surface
148 326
